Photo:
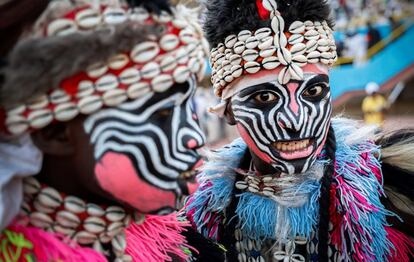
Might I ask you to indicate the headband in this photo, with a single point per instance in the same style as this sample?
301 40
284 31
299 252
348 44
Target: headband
267 48
151 66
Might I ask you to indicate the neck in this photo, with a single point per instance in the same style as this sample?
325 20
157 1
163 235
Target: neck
262 167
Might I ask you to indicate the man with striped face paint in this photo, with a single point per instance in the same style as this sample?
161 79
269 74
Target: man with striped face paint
98 137
284 125
298 185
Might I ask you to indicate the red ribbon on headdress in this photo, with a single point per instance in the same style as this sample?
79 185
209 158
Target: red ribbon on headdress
264 14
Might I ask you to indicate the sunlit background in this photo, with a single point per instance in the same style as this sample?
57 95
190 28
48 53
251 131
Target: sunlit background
375 40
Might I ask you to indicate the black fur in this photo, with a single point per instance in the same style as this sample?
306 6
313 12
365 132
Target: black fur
324 200
226 17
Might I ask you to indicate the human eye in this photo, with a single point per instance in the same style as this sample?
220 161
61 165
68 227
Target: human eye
265 97
315 91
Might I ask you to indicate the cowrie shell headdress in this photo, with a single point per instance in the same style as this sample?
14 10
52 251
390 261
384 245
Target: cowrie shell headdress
267 48
151 66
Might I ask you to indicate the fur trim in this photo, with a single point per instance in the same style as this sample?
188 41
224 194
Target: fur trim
226 17
39 65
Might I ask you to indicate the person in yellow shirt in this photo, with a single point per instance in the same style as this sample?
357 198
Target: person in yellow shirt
374 105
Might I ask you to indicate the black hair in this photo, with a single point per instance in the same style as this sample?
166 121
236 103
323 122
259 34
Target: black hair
324 200
226 17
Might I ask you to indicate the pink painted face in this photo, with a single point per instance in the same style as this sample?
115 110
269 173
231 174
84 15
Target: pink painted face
284 125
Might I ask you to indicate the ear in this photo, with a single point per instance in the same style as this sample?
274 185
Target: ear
228 114
54 140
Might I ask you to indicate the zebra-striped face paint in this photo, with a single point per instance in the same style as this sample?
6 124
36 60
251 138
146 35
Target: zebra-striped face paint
144 147
285 125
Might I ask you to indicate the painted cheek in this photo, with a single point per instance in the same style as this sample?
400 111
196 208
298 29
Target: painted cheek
117 175
251 144
293 105
192 187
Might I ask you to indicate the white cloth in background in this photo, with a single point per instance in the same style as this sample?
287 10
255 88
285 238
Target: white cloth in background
19 158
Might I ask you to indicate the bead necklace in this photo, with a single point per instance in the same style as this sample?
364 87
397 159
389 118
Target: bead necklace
85 223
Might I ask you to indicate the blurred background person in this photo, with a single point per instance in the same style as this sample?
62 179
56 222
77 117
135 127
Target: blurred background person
374 105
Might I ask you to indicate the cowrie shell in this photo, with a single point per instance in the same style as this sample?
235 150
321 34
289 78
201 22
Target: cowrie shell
239 47
295 38
202 71
284 56
163 17
42 208
313 57
74 204
226 65
94 225
228 76
90 104
129 76
311 46
85 88
144 52
284 76
138 14
312 35
40 118
194 65
61 27
40 220
295 72
298 49
297 27
192 49
241 185
150 70
277 24
252 42
182 56
169 42
179 23
114 228
235 59
114 97
236 71
181 74
106 82
96 70
300 60
252 67
113 15
262 33
270 62
187 36
38 103
63 230
16 124
244 35
241 257
160 84
94 210
119 243
50 197
250 55
308 23
139 89
104 237
119 61
67 219
265 42
238 234
88 18
31 186
230 41
168 63
269 5
58 96
85 238
65 111
267 52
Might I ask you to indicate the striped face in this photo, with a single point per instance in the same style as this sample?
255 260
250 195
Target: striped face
145 148
285 125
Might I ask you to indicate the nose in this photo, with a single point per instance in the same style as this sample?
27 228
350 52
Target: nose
190 142
287 123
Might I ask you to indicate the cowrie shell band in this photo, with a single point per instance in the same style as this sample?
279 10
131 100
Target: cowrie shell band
154 65
291 47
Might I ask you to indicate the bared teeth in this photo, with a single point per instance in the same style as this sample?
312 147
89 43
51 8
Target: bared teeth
292 145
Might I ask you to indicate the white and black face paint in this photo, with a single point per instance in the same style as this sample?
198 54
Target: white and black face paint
143 146
285 125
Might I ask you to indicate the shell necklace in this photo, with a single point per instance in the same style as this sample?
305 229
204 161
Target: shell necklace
85 223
